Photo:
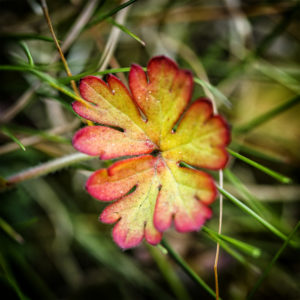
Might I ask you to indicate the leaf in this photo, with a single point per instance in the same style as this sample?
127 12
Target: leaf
151 188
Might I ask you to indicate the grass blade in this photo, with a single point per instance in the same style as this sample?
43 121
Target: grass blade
278 75
46 78
44 134
235 254
10 231
14 68
28 54
126 30
217 93
244 192
25 36
57 85
249 249
276 175
102 17
79 76
250 212
268 115
258 152
10 135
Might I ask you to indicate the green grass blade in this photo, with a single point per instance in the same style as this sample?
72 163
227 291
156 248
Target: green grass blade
27 52
187 269
43 134
102 17
235 254
278 75
14 68
272 262
250 212
217 93
55 84
243 191
25 36
44 77
79 76
10 231
10 135
276 175
268 115
258 152
126 30
246 248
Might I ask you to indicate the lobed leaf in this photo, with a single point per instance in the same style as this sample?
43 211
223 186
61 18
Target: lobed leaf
151 189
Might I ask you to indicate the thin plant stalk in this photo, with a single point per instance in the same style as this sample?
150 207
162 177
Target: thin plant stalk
221 179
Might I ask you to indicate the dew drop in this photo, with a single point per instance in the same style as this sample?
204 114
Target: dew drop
113 92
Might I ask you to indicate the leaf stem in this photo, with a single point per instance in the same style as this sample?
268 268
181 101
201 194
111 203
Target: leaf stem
192 274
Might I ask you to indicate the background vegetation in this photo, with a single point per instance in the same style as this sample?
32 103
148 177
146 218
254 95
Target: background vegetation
244 56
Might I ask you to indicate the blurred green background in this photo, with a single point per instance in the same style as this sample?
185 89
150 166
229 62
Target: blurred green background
243 54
